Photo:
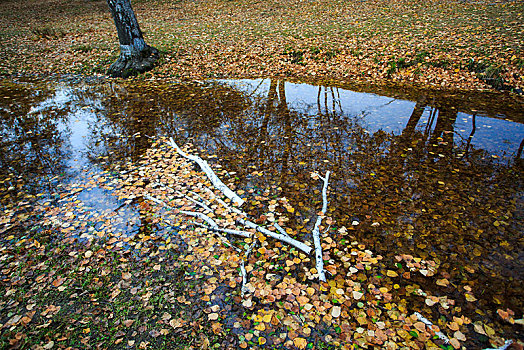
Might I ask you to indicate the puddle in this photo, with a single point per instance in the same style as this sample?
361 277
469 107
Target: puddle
418 173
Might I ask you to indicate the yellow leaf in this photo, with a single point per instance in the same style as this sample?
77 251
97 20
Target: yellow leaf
470 297
391 273
489 331
300 343
442 282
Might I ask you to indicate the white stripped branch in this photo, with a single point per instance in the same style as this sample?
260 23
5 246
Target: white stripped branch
284 238
316 231
226 230
222 238
243 289
210 174
281 237
424 320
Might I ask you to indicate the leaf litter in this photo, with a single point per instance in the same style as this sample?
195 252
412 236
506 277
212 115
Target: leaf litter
285 305
87 268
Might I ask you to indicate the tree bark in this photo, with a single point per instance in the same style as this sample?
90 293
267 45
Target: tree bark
135 55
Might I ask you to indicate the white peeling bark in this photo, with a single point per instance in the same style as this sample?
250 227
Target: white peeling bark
226 230
281 237
210 174
427 322
135 55
316 232
284 238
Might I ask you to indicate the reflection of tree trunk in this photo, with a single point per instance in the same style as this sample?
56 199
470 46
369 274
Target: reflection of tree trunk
283 111
257 146
473 129
444 130
318 100
409 130
519 151
408 133
272 94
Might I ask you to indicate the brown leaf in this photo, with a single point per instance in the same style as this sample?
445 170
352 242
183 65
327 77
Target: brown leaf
176 323
420 326
58 282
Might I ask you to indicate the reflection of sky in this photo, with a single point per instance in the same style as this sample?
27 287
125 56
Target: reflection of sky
376 112
75 125
495 135
76 129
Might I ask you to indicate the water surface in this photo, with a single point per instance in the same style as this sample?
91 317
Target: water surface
414 172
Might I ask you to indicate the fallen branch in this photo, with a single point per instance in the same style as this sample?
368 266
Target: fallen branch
212 223
225 205
226 230
200 204
284 238
424 320
281 237
280 229
210 174
222 238
244 278
243 268
316 232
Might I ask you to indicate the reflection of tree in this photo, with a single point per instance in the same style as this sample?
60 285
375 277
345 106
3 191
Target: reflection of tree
134 112
426 187
442 136
416 184
30 141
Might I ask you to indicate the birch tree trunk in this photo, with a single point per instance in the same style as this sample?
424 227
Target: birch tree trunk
135 55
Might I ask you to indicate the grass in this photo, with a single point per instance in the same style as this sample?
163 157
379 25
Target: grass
219 36
87 310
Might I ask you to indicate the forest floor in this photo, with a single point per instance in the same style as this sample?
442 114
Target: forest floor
443 44
70 279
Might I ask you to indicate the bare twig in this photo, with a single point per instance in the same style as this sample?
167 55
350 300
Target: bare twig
243 268
284 238
222 238
226 230
506 345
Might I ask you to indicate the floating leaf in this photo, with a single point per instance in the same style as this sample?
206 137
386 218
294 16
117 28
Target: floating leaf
300 343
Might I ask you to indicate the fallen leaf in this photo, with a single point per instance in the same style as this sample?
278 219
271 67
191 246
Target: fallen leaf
335 311
455 343
300 343
176 323
391 273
